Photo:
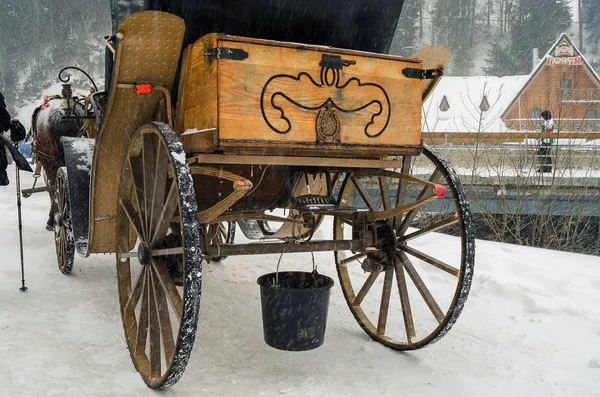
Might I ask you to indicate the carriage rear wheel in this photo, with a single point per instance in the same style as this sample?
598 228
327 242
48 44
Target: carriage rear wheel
63 226
410 295
158 255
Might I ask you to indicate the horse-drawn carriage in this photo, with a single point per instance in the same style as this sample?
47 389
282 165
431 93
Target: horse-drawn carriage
281 139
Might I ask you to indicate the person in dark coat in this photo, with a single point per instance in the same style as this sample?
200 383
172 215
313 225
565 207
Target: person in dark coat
17 134
545 148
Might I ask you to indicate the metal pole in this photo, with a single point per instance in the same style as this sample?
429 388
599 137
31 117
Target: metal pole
23 287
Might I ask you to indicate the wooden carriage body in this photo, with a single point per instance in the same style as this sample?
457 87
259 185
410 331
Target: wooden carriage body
258 126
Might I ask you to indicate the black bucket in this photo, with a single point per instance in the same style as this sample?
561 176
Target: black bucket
294 311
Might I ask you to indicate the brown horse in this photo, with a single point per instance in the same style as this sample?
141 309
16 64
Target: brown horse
48 126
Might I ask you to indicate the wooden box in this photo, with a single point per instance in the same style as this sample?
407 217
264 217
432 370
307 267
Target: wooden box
250 96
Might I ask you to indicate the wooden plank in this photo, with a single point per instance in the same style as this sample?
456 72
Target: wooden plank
200 98
300 161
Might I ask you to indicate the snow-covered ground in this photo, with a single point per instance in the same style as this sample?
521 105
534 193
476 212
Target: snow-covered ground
531 327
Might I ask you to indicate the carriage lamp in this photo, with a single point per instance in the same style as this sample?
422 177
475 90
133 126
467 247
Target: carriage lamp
67 94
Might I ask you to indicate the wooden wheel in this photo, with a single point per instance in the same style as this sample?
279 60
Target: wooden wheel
411 292
220 233
63 226
158 255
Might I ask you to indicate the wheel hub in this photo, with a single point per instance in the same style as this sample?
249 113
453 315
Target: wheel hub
144 253
58 220
386 236
387 243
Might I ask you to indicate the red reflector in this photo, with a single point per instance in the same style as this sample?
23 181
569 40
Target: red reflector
440 191
143 88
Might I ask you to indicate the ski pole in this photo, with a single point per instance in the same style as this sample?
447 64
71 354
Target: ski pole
18 179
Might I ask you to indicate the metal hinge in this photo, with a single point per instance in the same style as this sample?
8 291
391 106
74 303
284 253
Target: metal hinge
235 54
423 74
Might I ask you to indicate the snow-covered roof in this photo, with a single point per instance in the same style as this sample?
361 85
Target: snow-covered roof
464 96
543 61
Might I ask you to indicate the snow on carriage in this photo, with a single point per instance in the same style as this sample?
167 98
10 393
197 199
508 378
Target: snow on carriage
274 133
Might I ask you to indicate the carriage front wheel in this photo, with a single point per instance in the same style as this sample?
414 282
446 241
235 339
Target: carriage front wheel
158 255
63 226
410 293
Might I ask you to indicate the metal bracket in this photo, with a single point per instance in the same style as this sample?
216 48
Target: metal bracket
422 74
234 54
335 62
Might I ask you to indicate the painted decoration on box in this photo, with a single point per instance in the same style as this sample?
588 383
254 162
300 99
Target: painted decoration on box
333 96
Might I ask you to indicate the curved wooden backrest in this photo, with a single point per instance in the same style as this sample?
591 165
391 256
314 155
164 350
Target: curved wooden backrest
149 46
433 57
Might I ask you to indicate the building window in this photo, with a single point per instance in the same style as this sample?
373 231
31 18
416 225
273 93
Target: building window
536 113
591 114
566 84
484 105
444 106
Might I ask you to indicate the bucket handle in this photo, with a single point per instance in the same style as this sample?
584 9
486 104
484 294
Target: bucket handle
312 254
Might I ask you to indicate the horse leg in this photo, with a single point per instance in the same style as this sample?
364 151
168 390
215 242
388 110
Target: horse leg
50 171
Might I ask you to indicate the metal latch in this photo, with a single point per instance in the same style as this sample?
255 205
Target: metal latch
235 54
335 62
422 74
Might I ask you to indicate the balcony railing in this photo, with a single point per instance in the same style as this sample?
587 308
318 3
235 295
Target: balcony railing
572 125
580 95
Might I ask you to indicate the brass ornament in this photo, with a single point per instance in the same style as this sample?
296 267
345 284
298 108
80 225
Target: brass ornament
328 125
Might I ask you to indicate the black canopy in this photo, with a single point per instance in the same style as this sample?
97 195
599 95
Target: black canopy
367 25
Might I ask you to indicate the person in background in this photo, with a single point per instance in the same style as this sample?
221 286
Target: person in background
17 134
545 148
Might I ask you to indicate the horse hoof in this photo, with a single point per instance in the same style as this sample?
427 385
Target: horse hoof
50 228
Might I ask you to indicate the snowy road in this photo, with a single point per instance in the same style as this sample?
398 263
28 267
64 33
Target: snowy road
531 327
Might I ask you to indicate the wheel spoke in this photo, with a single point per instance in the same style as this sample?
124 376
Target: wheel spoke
385 193
404 301
385 301
165 321
221 233
139 286
431 260
168 211
137 176
365 288
431 228
364 194
401 193
142 331
169 287
425 294
168 251
154 331
131 254
345 261
149 165
160 184
132 215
